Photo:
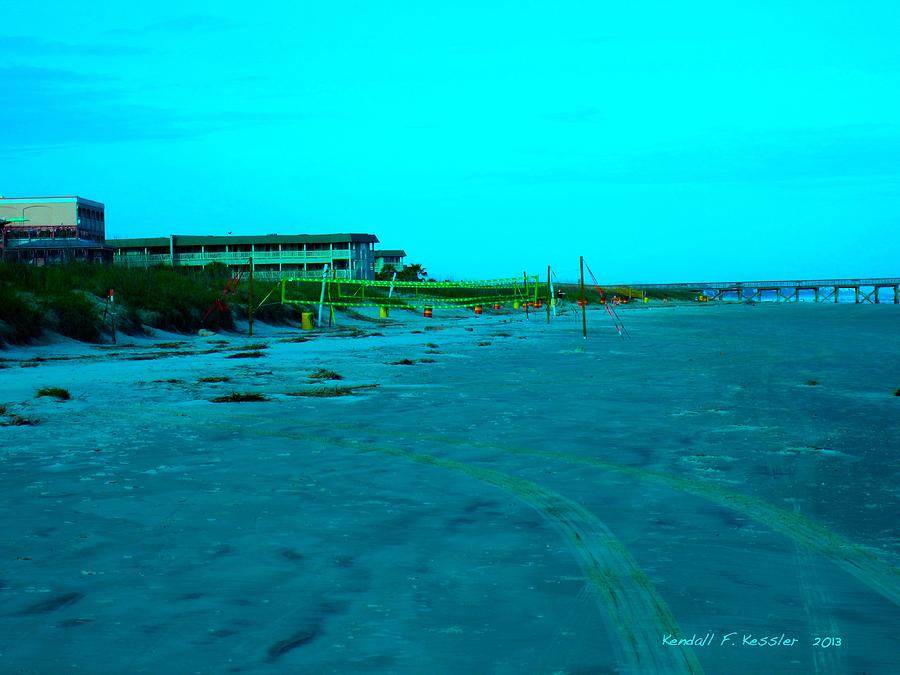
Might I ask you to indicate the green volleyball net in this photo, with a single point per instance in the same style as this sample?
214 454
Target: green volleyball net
334 292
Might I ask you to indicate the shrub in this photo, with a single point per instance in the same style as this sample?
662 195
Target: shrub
76 316
19 320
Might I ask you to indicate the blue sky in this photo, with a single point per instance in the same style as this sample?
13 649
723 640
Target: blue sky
663 141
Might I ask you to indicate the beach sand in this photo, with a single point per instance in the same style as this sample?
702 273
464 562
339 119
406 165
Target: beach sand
515 499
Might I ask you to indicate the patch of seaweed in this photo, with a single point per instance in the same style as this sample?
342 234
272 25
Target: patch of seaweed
403 362
223 378
246 355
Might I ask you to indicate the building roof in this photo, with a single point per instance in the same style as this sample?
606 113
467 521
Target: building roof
192 240
50 200
384 253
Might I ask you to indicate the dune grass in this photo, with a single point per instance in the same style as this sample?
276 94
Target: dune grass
325 374
236 397
331 392
55 392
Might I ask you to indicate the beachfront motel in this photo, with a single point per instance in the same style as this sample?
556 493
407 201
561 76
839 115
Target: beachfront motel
393 257
348 256
49 230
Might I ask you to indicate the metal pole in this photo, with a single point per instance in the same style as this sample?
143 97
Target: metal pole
583 301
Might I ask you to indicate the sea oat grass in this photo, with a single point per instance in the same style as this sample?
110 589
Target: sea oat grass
236 397
55 392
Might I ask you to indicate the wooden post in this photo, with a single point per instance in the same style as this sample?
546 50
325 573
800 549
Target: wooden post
112 309
583 301
837 294
817 293
250 299
896 295
525 281
549 294
322 294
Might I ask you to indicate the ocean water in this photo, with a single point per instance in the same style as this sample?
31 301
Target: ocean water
518 500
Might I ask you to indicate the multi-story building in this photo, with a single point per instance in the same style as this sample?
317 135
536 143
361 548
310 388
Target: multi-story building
46 230
389 257
350 256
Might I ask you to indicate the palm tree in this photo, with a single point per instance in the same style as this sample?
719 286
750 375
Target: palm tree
386 273
414 272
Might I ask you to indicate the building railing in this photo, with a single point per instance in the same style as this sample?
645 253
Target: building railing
237 256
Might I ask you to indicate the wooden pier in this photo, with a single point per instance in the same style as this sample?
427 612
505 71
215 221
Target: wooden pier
865 291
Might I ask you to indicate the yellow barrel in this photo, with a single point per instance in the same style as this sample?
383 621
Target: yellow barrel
427 313
306 320
516 304
383 312
478 309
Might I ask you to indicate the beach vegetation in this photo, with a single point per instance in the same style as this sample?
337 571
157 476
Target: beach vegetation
69 298
14 420
330 392
256 346
55 392
20 319
325 374
236 397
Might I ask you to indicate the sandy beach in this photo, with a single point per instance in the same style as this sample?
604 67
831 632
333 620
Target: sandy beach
489 494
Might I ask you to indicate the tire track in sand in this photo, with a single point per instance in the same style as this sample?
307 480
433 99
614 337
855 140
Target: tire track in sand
634 608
